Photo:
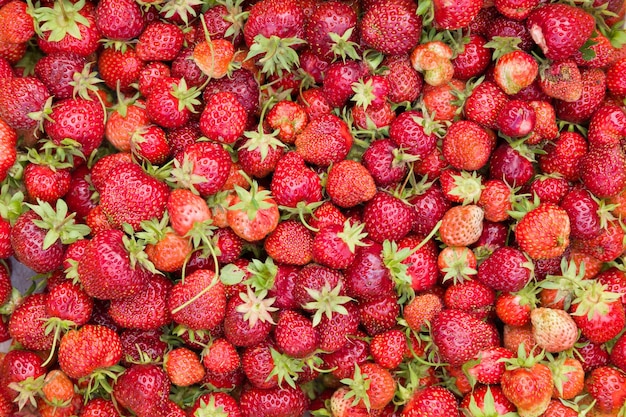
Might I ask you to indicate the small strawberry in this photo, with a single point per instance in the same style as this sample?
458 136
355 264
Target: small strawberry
360 189
291 243
461 225
223 118
544 231
159 41
183 367
324 140
514 68
467 145
387 217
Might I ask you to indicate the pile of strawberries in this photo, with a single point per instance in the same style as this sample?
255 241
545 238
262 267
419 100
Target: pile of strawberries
285 208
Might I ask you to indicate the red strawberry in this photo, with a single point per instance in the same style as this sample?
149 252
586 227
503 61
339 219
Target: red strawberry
68 301
386 162
598 314
484 104
611 159
514 71
119 19
543 232
330 29
594 90
324 140
387 217
20 97
360 188
91 347
391 27
335 245
548 24
432 401
388 348
223 118
142 388
293 183
199 301
214 402
506 269
19 367
275 402
290 243
27 323
607 386
203 166
183 367
607 126
459 336
146 310
563 156
105 269
247 320
295 335
159 41
462 225
467 146
379 315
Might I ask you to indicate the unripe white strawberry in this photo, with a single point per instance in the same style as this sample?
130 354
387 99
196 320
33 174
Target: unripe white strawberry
553 329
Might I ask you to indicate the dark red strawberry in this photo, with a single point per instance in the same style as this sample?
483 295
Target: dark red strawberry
391 27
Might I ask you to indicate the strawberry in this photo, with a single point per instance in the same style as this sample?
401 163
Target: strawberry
274 402
19 97
470 296
387 217
221 357
514 71
568 376
433 59
342 406
293 183
607 126
527 383
203 167
391 27
543 232
484 103
146 310
324 140
335 245
421 263
548 24
159 41
594 90
215 402
430 206
421 310
252 214
99 407
487 400
386 162
472 58
561 80
461 225
69 301
290 243
388 348
213 57
441 101
413 132
459 336
467 145
330 30
247 320
19 367
223 118
66 27
119 19
516 119
335 331
597 181
614 81
295 335
371 386
183 367
77 119
16 24
87 349
379 315
506 269
360 189
171 102
141 389
431 400
607 386
102 279
563 156
598 314
553 329
405 84
26 325
495 200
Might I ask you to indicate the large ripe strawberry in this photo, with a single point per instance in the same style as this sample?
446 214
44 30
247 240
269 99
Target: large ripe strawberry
142 388
21 98
16 25
198 302
371 386
560 29
598 313
387 217
66 27
295 335
349 183
386 162
202 166
391 27
183 367
294 183
607 386
57 71
291 243
459 336
68 301
450 16
603 170
527 383
108 270
433 401
19 366
544 231
325 140
223 118
467 145
506 269
145 310
274 402
91 347
27 323
331 29
119 20
607 126
130 195
160 41
77 119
